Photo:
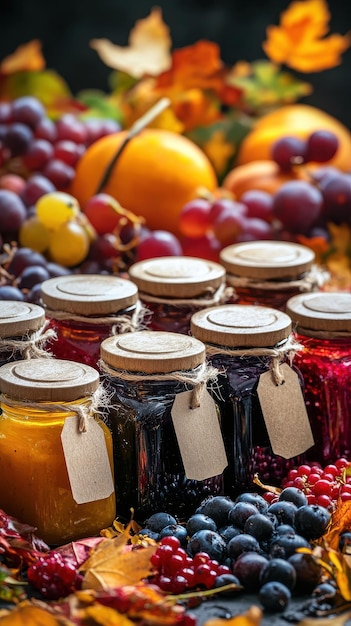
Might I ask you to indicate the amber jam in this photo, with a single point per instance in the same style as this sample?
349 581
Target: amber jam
322 323
38 397
240 340
268 273
84 310
146 372
173 288
23 332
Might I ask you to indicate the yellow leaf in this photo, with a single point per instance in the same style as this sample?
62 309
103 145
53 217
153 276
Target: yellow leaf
300 40
27 57
252 617
218 150
28 615
112 565
337 620
148 51
104 615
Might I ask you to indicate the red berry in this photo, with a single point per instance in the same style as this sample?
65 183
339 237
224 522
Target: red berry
53 577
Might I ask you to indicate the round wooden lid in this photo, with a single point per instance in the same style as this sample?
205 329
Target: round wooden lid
88 294
177 276
267 259
19 318
240 325
322 311
152 352
48 380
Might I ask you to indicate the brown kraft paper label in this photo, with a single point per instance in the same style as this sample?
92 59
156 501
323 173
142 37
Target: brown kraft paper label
87 461
285 413
199 436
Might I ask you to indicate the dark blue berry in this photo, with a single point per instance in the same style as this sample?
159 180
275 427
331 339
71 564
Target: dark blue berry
248 568
260 526
199 521
242 543
210 542
274 596
175 530
294 495
216 507
311 521
157 521
254 498
279 570
284 511
240 512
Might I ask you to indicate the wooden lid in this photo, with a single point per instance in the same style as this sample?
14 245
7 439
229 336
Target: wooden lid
152 352
19 318
267 259
48 380
324 311
177 276
88 294
240 325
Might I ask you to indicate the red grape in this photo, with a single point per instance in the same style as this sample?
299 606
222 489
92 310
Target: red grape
297 205
158 243
194 218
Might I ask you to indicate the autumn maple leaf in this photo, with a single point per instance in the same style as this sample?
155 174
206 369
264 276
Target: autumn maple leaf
301 41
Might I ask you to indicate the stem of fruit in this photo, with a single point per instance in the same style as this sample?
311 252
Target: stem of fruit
134 130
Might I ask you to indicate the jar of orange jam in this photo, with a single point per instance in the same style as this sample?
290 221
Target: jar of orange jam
86 309
173 288
56 463
268 273
23 333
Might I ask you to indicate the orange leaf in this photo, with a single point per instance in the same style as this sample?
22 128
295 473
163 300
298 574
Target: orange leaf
340 522
27 57
28 615
300 40
148 52
112 565
252 617
219 150
98 614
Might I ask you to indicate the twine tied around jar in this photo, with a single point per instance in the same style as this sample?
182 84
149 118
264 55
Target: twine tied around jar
99 399
30 347
120 323
212 297
312 280
287 350
196 378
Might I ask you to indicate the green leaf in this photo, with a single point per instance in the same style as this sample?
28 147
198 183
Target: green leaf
99 105
120 82
47 86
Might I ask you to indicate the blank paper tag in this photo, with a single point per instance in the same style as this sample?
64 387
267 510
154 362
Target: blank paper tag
199 436
87 461
285 414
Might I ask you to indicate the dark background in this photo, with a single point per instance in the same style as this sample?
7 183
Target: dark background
66 27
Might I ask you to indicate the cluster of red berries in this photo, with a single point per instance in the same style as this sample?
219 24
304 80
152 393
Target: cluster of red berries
321 485
176 571
53 576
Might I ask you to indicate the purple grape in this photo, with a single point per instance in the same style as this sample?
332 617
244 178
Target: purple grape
27 110
18 138
247 568
336 191
9 292
12 212
25 257
288 151
37 185
322 145
297 205
32 275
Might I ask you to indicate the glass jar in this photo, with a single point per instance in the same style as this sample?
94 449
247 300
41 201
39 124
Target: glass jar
322 322
23 332
268 273
173 288
56 459
249 344
150 372
85 309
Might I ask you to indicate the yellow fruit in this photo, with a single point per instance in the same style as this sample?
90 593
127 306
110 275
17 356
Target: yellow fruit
157 173
56 208
298 120
69 244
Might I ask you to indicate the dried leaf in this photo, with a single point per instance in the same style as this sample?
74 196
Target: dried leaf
337 620
111 565
98 614
339 523
27 57
252 617
28 615
148 52
77 552
300 40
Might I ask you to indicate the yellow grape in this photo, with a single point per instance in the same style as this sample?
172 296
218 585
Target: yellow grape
55 208
69 244
33 234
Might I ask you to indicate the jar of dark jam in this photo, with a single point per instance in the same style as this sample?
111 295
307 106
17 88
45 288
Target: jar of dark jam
23 333
250 344
322 323
268 273
173 288
85 309
150 373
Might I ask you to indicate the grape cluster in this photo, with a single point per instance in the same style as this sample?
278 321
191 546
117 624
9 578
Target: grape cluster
30 142
248 544
321 485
